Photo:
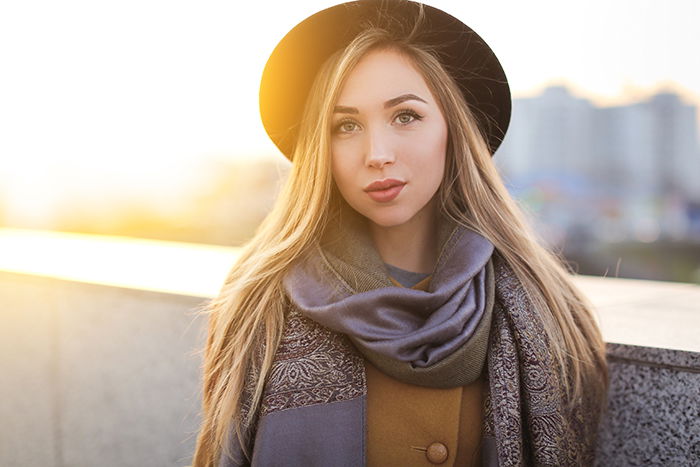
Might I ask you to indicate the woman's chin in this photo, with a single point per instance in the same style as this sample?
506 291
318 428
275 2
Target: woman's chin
389 219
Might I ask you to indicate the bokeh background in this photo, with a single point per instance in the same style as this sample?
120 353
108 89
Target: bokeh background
140 119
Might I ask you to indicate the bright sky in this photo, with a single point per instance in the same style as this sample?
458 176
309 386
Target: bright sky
98 94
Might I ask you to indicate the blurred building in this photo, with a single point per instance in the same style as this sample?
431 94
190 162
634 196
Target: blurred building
628 172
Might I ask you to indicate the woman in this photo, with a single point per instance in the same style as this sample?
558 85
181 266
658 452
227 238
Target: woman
394 308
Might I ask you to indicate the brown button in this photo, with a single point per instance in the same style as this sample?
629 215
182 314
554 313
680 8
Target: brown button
436 453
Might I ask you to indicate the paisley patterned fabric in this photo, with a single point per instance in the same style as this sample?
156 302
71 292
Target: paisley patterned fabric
313 365
526 408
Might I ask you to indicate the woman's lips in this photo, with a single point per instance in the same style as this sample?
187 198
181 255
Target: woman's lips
384 191
384 196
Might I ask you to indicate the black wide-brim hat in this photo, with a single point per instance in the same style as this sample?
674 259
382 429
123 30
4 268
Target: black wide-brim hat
294 63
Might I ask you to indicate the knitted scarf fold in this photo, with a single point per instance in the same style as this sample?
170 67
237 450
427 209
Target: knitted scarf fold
435 338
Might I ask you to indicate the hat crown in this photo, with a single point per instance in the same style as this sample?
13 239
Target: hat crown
292 67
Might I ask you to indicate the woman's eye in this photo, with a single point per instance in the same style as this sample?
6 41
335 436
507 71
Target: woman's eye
407 116
346 126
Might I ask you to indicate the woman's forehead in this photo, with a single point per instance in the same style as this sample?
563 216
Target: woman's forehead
382 75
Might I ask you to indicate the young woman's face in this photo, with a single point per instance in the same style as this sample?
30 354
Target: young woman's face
389 140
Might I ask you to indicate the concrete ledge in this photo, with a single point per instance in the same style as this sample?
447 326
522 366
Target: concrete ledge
646 313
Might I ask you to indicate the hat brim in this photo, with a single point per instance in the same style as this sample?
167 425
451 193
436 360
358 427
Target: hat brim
294 63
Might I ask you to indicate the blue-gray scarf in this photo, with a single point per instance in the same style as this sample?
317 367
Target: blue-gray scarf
434 338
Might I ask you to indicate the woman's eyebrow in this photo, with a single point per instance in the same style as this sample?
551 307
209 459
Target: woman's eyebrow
342 109
402 98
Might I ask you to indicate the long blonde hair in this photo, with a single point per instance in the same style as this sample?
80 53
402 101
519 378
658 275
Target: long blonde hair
246 320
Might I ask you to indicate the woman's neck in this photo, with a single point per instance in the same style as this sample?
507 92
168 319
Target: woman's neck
411 245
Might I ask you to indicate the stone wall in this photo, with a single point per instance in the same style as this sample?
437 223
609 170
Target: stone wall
95 375
98 375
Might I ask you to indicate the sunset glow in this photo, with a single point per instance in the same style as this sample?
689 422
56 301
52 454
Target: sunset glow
170 267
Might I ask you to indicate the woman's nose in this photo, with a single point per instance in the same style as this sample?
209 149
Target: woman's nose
378 150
